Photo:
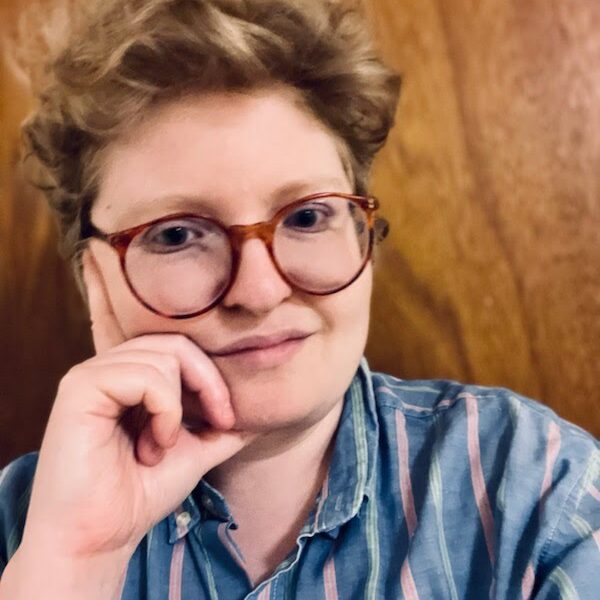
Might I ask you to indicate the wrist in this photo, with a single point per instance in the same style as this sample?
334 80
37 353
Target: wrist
34 573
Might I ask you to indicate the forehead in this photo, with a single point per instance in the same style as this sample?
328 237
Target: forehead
236 156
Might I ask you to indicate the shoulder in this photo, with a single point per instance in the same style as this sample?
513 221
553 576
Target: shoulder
514 438
531 478
16 480
453 402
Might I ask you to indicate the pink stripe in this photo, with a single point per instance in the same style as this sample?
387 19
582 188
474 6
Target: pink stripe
385 390
421 409
596 535
477 480
324 495
176 570
408 502
552 450
407 582
409 589
527 583
331 592
594 492
325 488
266 592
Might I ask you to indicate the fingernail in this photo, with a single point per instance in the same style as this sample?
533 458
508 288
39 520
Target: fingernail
228 413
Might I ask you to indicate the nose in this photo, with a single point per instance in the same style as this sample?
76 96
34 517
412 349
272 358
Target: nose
258 287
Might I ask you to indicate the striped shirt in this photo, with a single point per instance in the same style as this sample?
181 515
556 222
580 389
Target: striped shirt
435 490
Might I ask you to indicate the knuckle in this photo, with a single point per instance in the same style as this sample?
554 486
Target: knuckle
75 375
74 381
154 380
170 364
150 373
183 343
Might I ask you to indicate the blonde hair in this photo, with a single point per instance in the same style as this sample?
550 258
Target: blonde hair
120 58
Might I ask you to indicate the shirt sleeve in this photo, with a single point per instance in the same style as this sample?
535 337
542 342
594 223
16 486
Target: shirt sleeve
16 480
570 560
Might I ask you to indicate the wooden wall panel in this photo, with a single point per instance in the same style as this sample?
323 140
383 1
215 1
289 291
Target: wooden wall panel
43 328
490 180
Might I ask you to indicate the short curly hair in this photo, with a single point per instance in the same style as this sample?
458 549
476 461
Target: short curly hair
121 58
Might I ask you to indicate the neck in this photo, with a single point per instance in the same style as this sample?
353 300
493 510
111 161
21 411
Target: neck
271 488
279 467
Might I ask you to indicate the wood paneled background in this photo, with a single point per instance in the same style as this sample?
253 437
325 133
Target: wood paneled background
491 182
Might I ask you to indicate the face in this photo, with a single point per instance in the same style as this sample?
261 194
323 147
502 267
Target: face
239 158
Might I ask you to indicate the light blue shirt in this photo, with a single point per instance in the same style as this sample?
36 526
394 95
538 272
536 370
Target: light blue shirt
436 490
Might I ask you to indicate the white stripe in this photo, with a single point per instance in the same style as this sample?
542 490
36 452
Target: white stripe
4 473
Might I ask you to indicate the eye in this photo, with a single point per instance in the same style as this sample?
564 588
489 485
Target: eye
177 236
174 236
311 218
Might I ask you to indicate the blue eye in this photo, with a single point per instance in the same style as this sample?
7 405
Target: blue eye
310 219
303 218
174 236
177 236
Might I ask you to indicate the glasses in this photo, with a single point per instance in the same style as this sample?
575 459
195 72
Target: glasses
182 265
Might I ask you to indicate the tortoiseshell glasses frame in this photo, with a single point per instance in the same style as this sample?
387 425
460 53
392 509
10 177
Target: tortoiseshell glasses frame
237 235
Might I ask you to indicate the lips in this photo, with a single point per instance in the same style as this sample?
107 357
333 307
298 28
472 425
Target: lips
259 342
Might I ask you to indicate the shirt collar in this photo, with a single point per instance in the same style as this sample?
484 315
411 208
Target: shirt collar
351 472
349 481
185 518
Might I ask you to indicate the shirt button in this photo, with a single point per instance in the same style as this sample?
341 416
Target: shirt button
183 519
207 503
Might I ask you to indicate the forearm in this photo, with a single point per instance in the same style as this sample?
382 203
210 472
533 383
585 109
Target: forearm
35 575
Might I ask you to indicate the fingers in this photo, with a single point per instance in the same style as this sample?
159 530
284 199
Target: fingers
198 373
191 392
139 387
148 452
122 386
137 399
206 395
106 331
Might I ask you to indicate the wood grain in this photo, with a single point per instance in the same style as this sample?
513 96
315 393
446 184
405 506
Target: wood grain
490 181
43 327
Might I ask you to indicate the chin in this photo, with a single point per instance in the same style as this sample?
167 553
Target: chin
283 405
265 408
296 395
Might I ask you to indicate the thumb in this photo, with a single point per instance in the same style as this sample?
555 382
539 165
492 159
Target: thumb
194 454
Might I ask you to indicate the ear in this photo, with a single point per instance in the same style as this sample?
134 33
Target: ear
106 331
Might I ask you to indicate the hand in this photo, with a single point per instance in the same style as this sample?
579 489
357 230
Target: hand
115 458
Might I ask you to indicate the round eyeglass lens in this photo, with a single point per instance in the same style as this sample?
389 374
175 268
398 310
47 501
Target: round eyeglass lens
181 266
322 244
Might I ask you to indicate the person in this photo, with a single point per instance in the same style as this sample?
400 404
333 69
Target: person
208 161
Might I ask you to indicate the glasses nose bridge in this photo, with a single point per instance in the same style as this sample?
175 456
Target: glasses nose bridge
238 234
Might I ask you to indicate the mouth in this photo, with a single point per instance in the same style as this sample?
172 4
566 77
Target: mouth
260 342
267 354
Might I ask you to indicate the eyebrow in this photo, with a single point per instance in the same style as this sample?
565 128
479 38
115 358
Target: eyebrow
297 189
203 205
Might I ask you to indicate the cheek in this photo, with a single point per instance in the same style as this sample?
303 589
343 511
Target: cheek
133 318
307 389
347 318
347 312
